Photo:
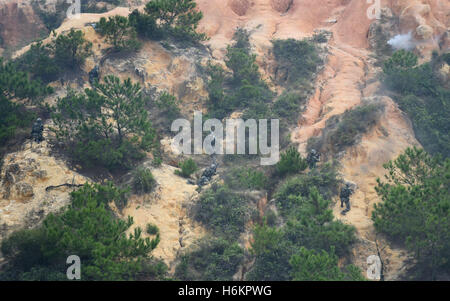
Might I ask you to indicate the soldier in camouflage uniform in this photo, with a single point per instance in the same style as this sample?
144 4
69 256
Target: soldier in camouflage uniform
345 194
313 158
37 130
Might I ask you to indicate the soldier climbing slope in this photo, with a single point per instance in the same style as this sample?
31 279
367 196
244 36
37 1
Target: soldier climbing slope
313 158
94 75
345 194
37 130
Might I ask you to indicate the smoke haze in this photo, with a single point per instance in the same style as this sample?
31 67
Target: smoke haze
403 41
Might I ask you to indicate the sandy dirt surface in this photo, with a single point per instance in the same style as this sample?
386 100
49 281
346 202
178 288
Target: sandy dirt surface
26 174
167 208
342 85
79 23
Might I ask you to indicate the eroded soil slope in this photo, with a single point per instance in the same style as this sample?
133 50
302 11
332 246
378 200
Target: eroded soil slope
348 78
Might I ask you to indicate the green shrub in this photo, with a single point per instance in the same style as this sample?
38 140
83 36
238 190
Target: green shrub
345 130
415 209
243 65
119 32
107 126
271 218
145 25
422 97
242 62
246 178
241 38
320 37
16 84
71 49
143 181
13 117
310 265
153 269
356 121
157 161
288 106
223 211
152 229
215 84
87 228
170 105
297 60
244 89
93 151
324 178
309 223
291 162
431 120
215 259
39 61
188 167
177 18
272 253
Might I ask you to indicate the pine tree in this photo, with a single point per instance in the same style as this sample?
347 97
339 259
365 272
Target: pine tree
106 126
177 17
310 265
119 32
88 229
71 49
416 206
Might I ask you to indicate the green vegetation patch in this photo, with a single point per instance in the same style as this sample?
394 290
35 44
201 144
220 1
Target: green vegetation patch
107 126
215 259
223 211
346 130
420 93
416 209
87 228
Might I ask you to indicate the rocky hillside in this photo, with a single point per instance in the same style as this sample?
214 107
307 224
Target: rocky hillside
349 77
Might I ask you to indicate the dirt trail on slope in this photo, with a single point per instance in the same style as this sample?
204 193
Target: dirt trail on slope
166 208
340 87
363 164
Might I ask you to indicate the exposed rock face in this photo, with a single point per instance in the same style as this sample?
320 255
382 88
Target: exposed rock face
386 27
22 21
167 208
427 20
19 24
159 69
24 178
348 77
424 32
